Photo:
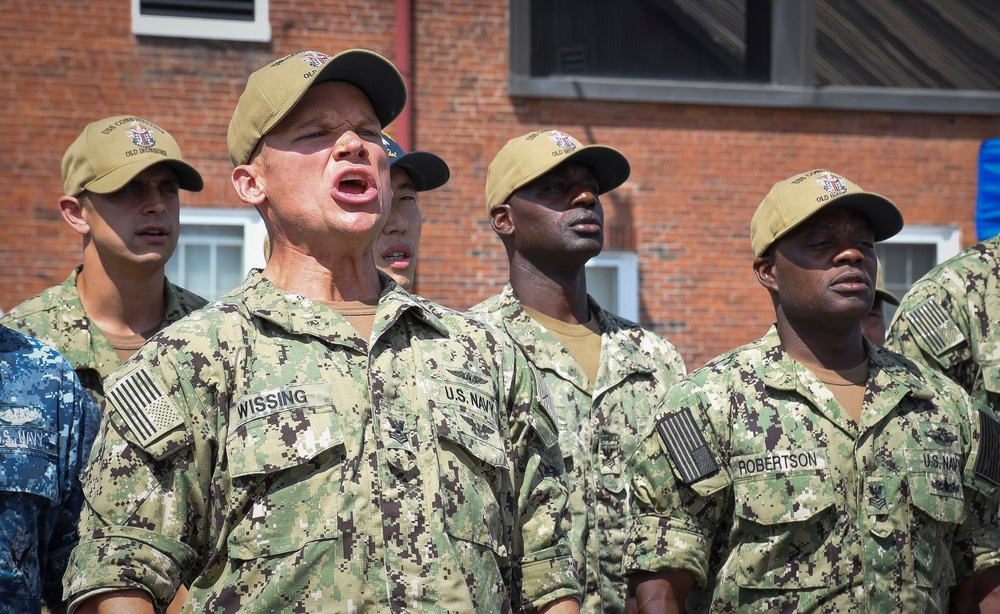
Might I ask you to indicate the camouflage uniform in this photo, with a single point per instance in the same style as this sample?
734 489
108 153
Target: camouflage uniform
47 425
262 452
757 481
597 428
950 321
56 317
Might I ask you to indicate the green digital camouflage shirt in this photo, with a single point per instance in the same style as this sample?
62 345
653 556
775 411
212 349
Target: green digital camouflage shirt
598 428
56 317
262 453
950 321
757 481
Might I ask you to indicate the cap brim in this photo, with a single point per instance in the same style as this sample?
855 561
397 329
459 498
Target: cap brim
188 177
381 82
882 214
887 297
426 170
609 165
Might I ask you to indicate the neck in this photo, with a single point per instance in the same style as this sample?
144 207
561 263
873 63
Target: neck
341 279
120 302
559 296
829 348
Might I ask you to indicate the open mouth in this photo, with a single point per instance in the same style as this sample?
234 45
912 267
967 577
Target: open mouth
355 187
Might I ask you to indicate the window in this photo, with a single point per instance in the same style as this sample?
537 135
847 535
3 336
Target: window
239 20
923 55
913 252
215 250
613 281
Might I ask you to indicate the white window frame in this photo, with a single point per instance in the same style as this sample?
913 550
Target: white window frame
793 58
947 239
251 222
626 264
258 30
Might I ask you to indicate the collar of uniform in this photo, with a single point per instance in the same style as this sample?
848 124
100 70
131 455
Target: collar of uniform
893 378
298 314
614 333
894 368
777 368
399 301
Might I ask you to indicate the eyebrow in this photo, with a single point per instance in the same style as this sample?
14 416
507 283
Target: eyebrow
365 121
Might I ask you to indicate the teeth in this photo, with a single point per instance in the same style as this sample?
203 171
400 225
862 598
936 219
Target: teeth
352 177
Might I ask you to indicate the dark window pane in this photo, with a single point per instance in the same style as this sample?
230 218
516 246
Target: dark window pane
930 44
233 10
705 40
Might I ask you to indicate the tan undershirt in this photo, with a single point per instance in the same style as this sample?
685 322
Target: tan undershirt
361 314
847 385
582 341
127 345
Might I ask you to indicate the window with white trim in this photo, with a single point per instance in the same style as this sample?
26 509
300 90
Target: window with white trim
921 55
215 250
613 281
909 255
237 20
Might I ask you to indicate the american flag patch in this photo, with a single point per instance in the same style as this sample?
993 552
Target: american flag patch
988 457
934 326
687 447
143 406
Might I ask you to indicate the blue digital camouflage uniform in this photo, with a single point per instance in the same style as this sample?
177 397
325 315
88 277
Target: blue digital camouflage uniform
598 427
47 425
950 321
262 453
56 317
758 482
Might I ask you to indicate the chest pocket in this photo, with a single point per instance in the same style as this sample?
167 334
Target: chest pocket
785 518
473 470
28 453
934 479
29 472
281 454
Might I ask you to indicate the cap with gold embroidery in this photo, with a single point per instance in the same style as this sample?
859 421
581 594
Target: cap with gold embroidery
110 152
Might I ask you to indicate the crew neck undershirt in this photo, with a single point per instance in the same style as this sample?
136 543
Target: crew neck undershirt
582 341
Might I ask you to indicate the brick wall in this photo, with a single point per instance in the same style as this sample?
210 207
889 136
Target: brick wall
698 172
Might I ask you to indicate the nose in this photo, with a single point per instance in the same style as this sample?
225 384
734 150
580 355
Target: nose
850 254
396 222
155 202
585 198
350 145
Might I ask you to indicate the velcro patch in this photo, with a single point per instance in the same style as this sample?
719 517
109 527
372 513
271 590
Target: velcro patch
988 456
935 327
143 406
687 446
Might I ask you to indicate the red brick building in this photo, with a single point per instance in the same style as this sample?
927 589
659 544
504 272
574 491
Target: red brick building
708 124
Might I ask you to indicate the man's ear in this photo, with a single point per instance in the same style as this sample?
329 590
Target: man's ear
249 187
502 220
763 267
72 210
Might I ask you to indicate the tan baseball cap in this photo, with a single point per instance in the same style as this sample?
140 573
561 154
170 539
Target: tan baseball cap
794 200
274 90
527 157
112 151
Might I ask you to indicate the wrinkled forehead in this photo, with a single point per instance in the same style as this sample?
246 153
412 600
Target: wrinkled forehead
334 100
